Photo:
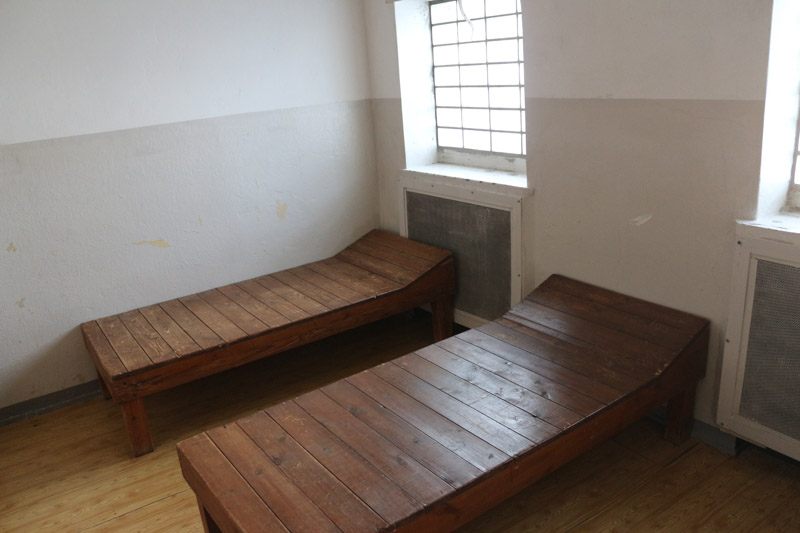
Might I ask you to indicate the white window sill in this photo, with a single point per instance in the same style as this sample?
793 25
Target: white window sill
780 227
479 179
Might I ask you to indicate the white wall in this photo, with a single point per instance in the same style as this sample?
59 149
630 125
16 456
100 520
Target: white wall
164 148
87 66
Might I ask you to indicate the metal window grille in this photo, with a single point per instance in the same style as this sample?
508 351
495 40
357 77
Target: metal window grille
478 75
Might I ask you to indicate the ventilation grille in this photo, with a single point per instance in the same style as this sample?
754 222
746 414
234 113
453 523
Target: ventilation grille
771 381
480 239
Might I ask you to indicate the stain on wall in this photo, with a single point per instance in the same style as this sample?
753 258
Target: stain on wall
280 209
11 248
158 243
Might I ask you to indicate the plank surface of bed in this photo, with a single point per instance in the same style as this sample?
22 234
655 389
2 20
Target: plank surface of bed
433 439
161 346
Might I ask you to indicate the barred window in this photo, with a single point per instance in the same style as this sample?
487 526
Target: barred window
478 75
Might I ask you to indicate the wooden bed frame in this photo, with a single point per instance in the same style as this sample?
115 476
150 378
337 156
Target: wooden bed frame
433 439
147 350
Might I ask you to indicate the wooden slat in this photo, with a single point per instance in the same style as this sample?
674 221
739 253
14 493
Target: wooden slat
328 284
628 304
243 319
316 293
362 280
581 350
220 487
338 502
524 377
412 262
590 332
128 350
156 348
408 246
633 325
192 325
269 298
538 406
291 295
509 415
254 306
604 370
291 506
449 434
216 321
467 417
169 330
102 349
368 483
380 267
408 474
557 373
441 461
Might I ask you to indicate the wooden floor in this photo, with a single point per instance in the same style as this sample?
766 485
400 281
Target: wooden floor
69 471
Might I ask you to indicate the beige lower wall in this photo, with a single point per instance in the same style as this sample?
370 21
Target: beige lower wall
103 223
641 196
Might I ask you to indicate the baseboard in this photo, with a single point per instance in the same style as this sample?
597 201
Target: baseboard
49 402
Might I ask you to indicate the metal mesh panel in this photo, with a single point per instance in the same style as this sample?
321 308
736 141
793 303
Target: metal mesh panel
771 386
480 239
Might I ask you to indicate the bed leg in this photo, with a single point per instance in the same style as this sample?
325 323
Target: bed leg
680 411
104 387
138 428
209 526
442 311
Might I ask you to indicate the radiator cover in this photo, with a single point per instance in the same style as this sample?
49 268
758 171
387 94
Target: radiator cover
480 239
760 388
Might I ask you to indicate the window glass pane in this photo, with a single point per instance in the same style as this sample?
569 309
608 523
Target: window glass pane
449 118
521 53
484 76
473 75
449 137
506 120
448 97
445 55
476 118
445 34
477 140
501 27
444 12
524 144
501 51
473 53
509 143
473 8
504 74
475 97
500 7
445 76
472 32
504 96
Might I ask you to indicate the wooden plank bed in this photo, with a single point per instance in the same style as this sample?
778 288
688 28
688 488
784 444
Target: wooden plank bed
158 347
433 439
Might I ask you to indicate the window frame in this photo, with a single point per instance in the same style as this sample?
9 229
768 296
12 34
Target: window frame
506 160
